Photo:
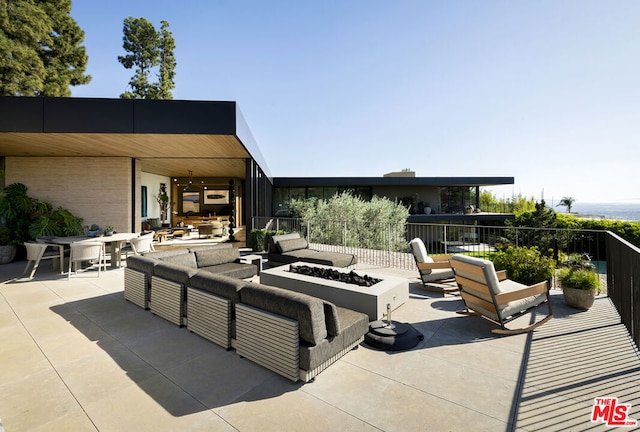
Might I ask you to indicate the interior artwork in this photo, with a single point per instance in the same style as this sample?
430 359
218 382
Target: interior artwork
216 196
191 202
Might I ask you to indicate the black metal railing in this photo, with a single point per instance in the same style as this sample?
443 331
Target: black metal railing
381 243
386 245
623 282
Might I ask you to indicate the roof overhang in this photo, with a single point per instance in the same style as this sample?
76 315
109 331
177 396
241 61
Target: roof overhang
390 181
168 138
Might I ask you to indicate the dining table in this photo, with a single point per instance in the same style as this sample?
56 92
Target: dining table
116 240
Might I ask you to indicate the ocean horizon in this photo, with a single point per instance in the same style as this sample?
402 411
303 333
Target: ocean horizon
617 211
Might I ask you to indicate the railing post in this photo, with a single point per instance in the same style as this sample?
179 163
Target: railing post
445 240
344 236
389 244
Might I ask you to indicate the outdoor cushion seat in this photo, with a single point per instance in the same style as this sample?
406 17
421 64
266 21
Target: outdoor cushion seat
490 294
233 269
294 334
290 248
432 268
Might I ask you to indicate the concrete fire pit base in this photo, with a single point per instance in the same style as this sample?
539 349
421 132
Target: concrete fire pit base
371 300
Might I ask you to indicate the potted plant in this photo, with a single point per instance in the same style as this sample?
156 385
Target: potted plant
7 247
23 218
108 230
579 287
579 283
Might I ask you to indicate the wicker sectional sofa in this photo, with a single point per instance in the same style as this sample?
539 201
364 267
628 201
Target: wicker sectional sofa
292 334
290 248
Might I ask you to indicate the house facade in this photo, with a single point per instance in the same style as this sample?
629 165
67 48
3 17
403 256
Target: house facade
108 161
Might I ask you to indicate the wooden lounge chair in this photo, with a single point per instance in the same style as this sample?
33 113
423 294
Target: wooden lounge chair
491 295
433 269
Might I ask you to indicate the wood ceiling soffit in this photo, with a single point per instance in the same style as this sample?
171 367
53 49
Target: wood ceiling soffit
130 145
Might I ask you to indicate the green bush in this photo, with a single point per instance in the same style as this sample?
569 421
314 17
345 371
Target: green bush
259 239
579 278
349 220
524 265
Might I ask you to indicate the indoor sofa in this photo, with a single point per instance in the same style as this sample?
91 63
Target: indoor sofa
290 248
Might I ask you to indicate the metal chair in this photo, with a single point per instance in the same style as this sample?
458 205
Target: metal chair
87 251
36 252
140 245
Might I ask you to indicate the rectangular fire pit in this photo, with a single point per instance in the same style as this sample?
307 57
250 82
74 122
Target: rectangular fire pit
371 300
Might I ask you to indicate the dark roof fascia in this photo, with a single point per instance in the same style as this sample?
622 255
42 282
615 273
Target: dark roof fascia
127 116
389 181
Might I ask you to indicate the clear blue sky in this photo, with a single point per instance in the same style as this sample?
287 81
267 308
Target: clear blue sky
547 91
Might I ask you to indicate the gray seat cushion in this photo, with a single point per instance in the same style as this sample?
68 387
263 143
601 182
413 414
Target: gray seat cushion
214 257
213 246
166 253
335 259
307 310
174 272
233 269
353 325
187 260
142 264
221 285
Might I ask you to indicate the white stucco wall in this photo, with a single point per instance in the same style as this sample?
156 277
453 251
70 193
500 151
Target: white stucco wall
152 182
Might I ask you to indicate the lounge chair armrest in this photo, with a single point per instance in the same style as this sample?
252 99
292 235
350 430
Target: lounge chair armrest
529 291
434 265
502 275
441 258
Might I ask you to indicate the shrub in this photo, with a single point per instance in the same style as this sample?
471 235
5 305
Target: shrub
259 239
524 265
349 220
579 278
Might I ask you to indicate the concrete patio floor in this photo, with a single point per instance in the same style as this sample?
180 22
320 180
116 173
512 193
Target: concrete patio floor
75 356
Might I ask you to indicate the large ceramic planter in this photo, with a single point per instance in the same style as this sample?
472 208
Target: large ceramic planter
7 253
579 298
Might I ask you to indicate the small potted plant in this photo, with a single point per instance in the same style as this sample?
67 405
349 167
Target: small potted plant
579 282
8 247
108 230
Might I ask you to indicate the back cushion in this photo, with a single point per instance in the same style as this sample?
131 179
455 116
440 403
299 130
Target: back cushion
273 241
307 310
159 254
488 277
285 246
174 272
212 257
331 319
141 263
419 250
187 259
221 285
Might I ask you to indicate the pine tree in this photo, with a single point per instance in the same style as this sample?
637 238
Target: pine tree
40 48
148 49
167 63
